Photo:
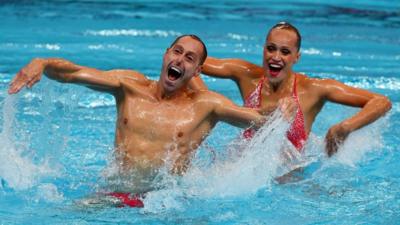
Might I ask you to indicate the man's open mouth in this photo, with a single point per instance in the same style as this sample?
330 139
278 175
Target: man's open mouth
274 69
174 73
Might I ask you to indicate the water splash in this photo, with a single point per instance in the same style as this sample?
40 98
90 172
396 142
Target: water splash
48 192
17 170
255 164
360 143
249 166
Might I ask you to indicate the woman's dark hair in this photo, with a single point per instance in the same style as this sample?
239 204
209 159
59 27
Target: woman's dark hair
287 26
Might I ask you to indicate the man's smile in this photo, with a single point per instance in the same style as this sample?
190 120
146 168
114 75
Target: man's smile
174 73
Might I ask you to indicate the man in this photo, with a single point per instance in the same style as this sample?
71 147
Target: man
264 86
156 119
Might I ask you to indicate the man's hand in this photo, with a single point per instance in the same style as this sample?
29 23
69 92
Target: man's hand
334 138
27 76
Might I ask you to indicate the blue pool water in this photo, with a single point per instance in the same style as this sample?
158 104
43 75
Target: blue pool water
56 140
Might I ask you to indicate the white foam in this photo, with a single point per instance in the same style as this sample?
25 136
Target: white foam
336 54
226 216
312 51
367 82
250 166
256 166
54 47
16 168
49 193
110 46
361 142
96 102
376 82
239 37
132 32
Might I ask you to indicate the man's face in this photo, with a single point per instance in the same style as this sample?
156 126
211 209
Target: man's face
280 53
181 62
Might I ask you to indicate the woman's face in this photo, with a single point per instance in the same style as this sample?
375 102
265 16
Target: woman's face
280 53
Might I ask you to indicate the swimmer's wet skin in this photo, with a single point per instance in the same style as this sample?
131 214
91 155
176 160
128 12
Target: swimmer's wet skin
273 81
152 105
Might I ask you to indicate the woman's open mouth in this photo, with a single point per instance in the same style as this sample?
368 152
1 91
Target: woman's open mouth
274 69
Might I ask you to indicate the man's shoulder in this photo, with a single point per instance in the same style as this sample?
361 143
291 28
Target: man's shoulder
205 93
132 81
208 96
130 77
128 74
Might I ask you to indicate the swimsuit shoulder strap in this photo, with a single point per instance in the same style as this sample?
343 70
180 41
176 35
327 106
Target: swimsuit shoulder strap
253 100
259 90
260 84
295 87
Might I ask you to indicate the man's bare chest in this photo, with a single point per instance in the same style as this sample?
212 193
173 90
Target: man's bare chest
160 119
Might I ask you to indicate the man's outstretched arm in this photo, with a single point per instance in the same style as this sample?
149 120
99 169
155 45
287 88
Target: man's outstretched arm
66 72
225 110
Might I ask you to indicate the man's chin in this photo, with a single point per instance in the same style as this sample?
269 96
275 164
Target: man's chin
170 88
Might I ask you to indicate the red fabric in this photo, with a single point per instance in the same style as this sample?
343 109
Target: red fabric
296 133
127 199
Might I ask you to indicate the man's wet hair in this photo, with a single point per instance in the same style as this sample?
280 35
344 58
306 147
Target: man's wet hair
287 26
195 37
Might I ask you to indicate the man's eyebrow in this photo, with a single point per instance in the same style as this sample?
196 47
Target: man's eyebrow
287 47
192 53
177 46
273 44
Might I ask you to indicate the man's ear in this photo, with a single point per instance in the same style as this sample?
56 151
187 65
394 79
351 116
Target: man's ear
297 57
198 70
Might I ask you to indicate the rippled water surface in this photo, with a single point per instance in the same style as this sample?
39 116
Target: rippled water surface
56 139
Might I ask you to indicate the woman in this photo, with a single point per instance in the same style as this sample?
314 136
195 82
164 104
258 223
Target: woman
265 87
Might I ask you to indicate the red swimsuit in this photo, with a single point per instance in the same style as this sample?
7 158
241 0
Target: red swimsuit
127 199
296 134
